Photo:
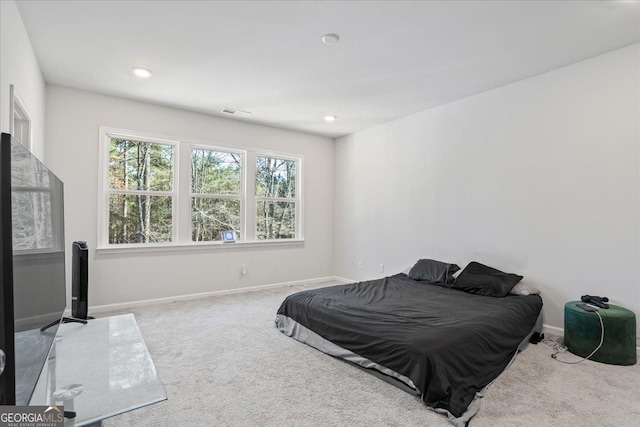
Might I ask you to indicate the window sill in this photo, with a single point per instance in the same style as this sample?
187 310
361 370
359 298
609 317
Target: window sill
217 246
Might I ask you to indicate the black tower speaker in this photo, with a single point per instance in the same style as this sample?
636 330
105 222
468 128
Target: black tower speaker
80 280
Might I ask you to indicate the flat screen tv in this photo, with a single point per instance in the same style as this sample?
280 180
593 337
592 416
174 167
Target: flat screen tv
32 268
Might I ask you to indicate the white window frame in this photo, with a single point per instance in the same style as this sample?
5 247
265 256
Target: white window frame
18 113
181 239
104 191
297 199
241 197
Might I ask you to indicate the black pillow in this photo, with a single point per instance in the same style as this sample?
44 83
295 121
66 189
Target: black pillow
480 279
432 271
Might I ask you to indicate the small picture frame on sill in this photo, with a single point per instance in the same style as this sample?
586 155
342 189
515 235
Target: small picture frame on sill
228 236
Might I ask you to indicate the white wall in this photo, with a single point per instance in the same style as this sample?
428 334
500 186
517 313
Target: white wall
539 177
73 118
19 67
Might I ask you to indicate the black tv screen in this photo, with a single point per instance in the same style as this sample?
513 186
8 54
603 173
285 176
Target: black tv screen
33 267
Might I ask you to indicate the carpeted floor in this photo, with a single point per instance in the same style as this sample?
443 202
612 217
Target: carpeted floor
223 363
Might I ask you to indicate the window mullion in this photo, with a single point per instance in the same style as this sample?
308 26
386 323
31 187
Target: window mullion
275 199
217 196
250 206
299 201
103 194
183 202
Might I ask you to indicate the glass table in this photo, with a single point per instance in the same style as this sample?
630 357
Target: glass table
99 370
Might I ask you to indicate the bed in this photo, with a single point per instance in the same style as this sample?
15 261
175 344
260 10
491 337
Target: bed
438 342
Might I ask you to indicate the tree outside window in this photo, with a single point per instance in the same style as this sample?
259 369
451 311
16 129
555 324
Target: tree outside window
216 183
141 191
275 198
157 191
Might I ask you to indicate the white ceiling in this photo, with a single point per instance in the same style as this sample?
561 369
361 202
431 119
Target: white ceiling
394 58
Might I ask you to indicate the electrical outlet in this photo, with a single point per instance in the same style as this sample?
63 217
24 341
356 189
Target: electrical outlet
381 268
360 264
243 270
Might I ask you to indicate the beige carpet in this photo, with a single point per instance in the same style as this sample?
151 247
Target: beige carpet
223 363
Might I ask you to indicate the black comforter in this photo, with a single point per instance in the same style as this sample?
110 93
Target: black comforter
450 343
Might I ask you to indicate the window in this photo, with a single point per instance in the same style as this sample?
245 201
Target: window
140 191
160 192
20 124
216 193
275 198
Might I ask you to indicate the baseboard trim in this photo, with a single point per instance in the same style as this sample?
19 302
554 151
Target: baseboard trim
553 330
167 300
343 280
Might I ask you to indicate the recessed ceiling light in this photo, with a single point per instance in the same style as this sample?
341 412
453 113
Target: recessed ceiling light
142 72
330 118
330 38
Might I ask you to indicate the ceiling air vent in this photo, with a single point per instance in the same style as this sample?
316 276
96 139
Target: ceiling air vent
234 112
